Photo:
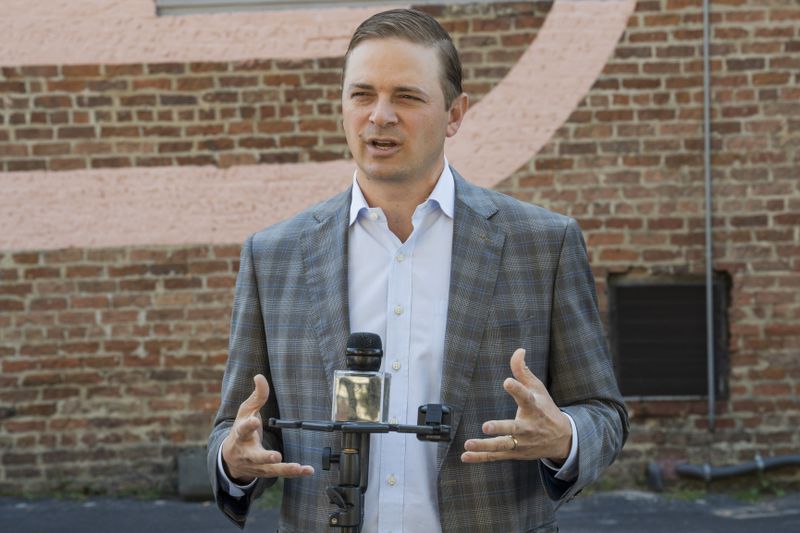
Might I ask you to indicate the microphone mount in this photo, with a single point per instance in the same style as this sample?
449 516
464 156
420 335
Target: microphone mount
433 425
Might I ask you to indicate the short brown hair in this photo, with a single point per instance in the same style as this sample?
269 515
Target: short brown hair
419 28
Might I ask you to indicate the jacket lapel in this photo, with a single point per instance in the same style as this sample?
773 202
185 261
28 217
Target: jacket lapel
477 250
325 263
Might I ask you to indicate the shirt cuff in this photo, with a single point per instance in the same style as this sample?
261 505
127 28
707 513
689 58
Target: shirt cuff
237 491
569 470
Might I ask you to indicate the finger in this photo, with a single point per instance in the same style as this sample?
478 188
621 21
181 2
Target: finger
288 470
257 399
275 470
495 444
500 427
522 395
486 457
245 428
522 373
264 457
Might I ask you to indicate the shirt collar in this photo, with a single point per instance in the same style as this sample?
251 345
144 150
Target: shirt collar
443 194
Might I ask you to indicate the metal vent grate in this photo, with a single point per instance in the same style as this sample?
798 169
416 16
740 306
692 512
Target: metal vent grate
658 336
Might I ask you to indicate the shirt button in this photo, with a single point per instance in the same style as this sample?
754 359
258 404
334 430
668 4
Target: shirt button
396 365
391 480
398 310
400 258
373 216
393 420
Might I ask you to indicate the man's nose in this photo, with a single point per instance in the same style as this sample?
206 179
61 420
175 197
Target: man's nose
383 113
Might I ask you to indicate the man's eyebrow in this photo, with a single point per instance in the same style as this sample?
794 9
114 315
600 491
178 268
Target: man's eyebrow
399 89
410 89
359 86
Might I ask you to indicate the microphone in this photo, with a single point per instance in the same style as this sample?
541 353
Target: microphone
361 393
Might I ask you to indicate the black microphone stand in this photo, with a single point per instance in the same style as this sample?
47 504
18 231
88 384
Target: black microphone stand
433 424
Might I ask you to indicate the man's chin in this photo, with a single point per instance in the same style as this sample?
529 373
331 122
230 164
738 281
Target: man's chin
387 173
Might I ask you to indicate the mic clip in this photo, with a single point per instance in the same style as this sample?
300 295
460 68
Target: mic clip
437 417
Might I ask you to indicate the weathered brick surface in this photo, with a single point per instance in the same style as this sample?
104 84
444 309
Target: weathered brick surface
229 113
111 358
629 166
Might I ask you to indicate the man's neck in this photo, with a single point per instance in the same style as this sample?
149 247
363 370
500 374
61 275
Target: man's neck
398 200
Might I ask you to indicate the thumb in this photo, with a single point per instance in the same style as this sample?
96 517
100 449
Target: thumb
522 373
258 398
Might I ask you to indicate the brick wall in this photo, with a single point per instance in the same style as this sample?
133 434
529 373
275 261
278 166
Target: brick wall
223 113
111 363
628 164
111 358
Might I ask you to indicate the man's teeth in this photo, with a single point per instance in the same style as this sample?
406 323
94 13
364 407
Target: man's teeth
383 144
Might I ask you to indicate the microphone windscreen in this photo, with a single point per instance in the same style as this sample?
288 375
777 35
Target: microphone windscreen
364 341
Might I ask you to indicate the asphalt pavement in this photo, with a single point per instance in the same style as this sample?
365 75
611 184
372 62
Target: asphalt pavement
617 511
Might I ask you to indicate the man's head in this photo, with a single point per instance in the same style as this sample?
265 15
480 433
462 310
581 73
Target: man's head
398 101
418 28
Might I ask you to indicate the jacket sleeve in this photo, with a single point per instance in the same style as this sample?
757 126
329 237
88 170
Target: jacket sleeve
247 356
581 378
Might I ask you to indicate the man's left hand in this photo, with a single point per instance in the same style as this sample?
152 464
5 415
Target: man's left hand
540 429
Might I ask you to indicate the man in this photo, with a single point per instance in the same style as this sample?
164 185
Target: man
455 279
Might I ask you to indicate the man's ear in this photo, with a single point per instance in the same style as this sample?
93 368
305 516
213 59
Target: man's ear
457 111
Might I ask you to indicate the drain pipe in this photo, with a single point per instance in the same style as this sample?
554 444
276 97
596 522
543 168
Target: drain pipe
708 194
759 464
653 471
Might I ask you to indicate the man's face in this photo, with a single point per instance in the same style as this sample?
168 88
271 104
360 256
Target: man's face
394 114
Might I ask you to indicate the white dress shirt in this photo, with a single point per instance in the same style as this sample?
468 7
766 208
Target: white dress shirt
400 291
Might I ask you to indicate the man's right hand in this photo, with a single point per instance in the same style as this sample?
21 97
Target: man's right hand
242 452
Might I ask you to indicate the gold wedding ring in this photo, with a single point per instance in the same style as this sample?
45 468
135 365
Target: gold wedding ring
514 440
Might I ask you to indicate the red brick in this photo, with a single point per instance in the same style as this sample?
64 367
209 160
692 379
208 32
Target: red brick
77 132
772 78
33 133
164 84
171 147
229 160
194 84
94 101
131 300
89 302
127 270
84 271
238 81
67 164
747 221
161 131
48 304
208 67
183 283
175 100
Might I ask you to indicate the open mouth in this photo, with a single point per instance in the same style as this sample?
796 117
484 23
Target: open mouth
380 144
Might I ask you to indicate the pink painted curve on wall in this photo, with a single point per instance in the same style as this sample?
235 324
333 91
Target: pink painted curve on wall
62 32
207 205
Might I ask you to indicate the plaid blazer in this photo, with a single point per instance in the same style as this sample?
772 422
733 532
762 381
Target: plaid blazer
519 278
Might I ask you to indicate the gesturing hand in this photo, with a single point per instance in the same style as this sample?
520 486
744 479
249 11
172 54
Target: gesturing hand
242 452
540 429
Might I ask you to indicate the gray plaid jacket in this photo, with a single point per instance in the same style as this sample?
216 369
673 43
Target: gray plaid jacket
520 278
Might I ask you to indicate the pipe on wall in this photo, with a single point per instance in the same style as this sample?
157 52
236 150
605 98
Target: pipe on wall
710 473
708 194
